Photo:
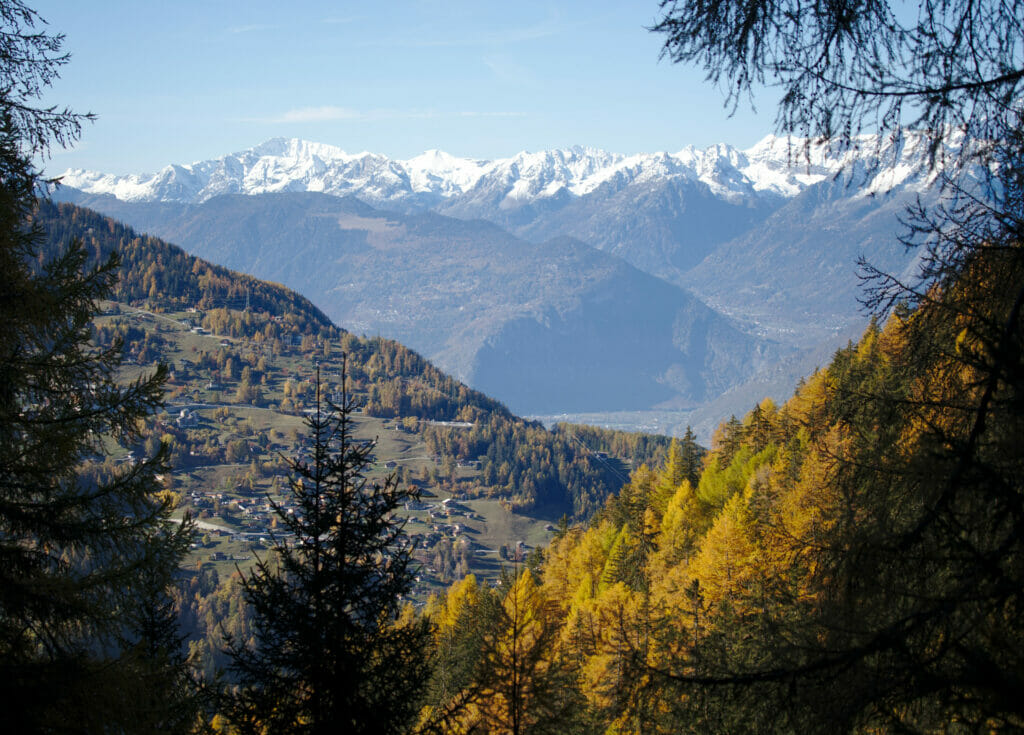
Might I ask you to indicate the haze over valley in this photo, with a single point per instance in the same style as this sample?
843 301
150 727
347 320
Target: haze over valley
648 290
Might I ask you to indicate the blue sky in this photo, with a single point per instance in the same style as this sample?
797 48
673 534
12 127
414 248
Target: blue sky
175 82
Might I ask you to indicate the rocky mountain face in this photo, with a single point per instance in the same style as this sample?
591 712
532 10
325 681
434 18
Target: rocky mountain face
796 275
559 280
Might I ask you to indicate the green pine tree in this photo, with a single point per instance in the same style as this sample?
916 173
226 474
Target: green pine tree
82 540
329 654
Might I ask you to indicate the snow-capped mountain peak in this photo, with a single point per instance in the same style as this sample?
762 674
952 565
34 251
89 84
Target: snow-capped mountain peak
436 170
773 167
296 148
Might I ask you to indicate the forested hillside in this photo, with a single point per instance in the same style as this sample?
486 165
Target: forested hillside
852 560
548 327
519 461
243 356
853 555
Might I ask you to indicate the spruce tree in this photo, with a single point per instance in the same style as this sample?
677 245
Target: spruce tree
693 456
329 654
81 538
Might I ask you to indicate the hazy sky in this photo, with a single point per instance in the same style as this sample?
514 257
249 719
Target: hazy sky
176 82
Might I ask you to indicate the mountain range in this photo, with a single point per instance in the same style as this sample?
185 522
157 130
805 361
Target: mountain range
774 167
563 280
